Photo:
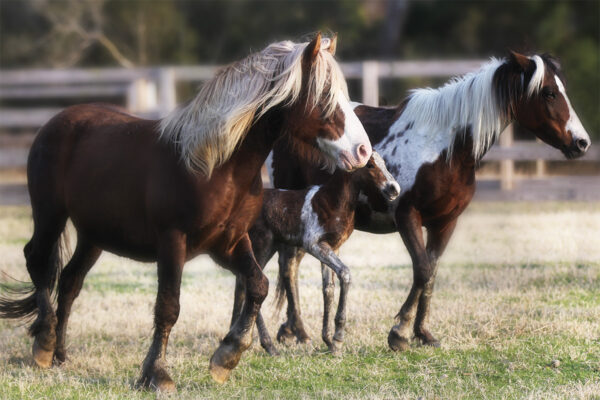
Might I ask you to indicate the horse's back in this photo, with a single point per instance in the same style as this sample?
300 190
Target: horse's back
93 162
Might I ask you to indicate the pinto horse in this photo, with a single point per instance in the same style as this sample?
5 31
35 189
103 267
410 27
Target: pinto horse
317 220
169 190
432 143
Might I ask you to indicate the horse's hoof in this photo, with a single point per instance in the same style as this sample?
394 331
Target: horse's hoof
223 361
157 379
43 358
434 343
60 357
336 348
397 342
427 338
271 350
305 340
285 334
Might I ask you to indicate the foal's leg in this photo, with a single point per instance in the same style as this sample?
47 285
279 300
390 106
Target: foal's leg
171 257
69 286
289 261
326 255
328 291
239 338
262 245
263 332
437 239
409 225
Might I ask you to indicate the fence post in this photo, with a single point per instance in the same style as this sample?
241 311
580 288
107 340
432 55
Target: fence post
370 83
141 96
167 95
540 165
507 167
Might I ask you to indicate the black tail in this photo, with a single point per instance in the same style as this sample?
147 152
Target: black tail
26 308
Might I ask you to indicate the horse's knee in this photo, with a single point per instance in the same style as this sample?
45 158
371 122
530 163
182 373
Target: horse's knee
424 275
345 278
257 288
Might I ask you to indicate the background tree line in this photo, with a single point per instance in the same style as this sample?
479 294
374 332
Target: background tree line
65 33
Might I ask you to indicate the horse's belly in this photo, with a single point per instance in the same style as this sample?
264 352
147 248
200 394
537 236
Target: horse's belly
368 220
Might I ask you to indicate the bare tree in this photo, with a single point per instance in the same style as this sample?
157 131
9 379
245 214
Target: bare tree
75 25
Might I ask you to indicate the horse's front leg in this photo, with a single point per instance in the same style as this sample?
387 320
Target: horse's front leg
239 338
437 239
327 256
409 226
171 257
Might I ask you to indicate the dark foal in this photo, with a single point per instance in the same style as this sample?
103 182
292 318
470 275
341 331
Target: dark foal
317 220
169 190
432 144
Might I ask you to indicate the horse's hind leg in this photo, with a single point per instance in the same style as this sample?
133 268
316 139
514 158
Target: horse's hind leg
171 257
69 286
42 255
327 256
289 261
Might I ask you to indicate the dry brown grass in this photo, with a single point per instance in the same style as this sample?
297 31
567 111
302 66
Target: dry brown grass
518 287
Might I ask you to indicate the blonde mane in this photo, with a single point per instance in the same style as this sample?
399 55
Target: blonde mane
208 129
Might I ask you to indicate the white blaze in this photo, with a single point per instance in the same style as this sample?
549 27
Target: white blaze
354 135
573 124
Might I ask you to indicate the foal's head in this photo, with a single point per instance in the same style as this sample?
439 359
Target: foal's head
322 118
375 181
539 103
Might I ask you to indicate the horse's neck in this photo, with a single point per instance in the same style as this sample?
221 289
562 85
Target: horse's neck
252 152
446 137
339 192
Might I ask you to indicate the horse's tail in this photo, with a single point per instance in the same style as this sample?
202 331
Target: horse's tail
12 303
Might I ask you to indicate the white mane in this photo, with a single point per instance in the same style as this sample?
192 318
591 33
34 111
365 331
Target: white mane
208 129
467 102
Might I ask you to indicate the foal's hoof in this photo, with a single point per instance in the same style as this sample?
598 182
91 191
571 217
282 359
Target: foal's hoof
271 350
158 379
223 361
431 343
427 338
335 348
397 342
42 357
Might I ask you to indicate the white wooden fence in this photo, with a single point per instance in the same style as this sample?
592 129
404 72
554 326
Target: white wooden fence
152 92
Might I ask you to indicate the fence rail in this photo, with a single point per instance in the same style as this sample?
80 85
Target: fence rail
152 92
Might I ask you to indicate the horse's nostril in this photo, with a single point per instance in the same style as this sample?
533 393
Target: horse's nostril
392 190
582 144
362 151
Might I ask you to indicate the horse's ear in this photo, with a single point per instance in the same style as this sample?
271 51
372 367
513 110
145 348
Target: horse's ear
312 51
333 44
522 61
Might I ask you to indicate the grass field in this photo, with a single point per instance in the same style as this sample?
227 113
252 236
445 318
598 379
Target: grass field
518 287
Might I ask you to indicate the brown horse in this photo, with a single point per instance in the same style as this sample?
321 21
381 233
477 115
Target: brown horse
169 190
317 220
432 144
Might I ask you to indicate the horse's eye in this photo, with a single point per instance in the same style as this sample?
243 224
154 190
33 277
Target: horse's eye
548 94
370 165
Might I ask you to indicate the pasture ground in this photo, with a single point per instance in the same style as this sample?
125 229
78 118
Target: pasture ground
518 287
